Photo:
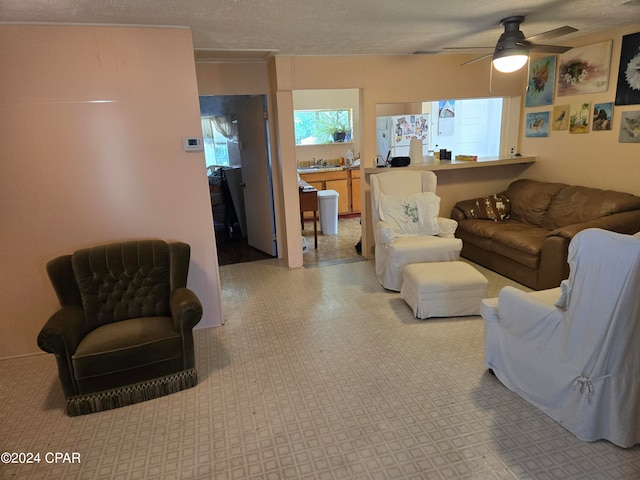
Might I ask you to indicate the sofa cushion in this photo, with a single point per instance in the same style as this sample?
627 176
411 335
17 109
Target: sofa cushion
530 200
576 204
519 242
494 207
475 236
515 240
480 228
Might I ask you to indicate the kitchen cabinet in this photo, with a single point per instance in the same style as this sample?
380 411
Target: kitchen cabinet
342 187
338 181
346 182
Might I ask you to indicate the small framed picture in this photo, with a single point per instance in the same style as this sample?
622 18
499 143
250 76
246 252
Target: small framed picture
602 116
579 118
560 118
537 124
630 127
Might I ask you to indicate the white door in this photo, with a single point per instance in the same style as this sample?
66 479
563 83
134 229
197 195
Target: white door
473 126
256 174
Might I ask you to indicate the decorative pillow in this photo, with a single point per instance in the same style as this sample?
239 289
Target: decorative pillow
410 215
492 207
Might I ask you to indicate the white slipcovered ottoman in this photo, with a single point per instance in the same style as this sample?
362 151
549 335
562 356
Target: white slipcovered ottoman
443 289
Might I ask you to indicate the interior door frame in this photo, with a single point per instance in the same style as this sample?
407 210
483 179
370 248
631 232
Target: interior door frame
233 100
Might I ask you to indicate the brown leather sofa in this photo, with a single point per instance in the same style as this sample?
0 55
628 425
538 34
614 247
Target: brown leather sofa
528 241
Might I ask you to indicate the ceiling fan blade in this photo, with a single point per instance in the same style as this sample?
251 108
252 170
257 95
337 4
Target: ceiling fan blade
477 59
557 32
549 48
468 48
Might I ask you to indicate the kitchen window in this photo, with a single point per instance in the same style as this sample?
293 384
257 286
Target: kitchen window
322 126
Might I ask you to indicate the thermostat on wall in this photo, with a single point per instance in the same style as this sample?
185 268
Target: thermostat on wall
192 144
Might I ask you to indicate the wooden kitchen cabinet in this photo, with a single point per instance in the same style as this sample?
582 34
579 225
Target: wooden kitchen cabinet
338 181
345 182
342 187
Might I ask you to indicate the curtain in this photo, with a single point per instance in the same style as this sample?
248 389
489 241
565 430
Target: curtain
225 126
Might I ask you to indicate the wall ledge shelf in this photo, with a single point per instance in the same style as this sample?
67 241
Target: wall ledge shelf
453 164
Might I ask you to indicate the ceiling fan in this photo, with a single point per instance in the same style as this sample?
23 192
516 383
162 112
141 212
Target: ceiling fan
512 50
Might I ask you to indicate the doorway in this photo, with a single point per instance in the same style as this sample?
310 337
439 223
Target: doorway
319 117
332 249
239 172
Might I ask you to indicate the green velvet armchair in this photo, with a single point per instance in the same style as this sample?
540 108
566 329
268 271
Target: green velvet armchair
123 333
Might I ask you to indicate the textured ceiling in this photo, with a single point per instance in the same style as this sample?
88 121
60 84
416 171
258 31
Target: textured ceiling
335 27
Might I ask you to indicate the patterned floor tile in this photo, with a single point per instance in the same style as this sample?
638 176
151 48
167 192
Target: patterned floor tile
318 373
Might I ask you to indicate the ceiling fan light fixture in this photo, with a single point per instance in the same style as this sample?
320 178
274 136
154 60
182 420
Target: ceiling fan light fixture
510 63
511 51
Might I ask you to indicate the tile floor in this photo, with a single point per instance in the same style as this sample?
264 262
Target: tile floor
332 249
318 373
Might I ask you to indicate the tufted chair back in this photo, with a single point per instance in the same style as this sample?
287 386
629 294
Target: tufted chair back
121 281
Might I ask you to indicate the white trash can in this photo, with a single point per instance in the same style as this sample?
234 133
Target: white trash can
328 207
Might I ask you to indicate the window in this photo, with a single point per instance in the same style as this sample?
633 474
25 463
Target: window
318 127
478 126
216 149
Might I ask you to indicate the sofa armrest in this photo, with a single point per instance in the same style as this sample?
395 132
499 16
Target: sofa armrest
63 331
457 213
624 222
186 309
447 227
384 233
523 314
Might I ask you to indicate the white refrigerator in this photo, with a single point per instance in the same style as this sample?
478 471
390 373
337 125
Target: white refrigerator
394 134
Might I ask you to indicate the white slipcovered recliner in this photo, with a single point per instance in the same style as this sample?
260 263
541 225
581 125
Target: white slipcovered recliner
406 225
574 351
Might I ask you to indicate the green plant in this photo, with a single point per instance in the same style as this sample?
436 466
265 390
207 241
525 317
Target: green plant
333 123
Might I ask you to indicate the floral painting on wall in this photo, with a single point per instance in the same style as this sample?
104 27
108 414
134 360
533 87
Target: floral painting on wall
579 117
537 124
560 117
541 82
630 127
602 116
628 92
585 69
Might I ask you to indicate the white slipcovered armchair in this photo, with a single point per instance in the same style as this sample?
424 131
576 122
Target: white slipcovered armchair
406 225
574 351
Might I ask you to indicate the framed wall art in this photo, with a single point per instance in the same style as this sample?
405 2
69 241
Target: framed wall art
630 127
579 117
628 91
602 116
537 124
584 69
560 117
541 84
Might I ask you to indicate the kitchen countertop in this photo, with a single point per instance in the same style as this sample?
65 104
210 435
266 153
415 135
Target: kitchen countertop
333 168
442 165
453 164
